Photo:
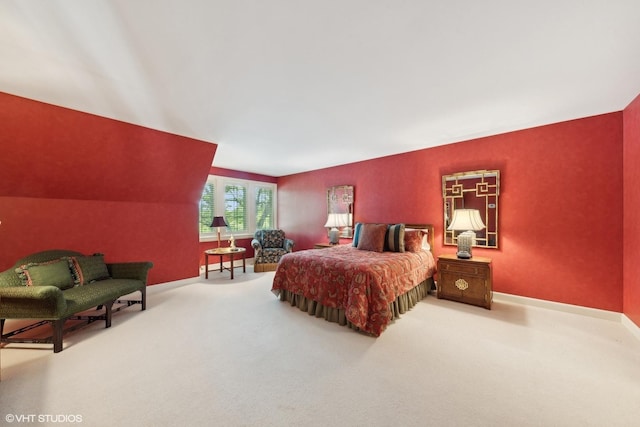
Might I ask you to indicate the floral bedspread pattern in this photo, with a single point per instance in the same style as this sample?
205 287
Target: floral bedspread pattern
363 283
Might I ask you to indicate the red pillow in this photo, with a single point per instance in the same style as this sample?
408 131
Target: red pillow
413 240
372 237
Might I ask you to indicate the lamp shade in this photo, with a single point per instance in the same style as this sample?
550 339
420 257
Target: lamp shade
218 221
337 220
466 219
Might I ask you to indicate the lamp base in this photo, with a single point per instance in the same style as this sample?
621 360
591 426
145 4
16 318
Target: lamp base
465 243
334 236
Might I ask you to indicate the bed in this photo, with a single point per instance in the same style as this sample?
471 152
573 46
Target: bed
356 286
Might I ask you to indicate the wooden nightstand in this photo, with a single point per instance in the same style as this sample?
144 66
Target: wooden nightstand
465 280
323 245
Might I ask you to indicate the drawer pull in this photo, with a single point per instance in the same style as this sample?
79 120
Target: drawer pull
462 284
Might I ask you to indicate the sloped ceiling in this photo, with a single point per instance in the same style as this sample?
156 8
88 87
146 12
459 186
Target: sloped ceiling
285 86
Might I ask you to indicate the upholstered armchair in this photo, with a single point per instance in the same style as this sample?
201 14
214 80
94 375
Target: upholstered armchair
269 246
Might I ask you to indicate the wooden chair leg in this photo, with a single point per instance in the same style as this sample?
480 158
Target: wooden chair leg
58 327
108 312
143 291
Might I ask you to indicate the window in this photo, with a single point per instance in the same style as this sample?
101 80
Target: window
207 207
265 208
235 207
246 205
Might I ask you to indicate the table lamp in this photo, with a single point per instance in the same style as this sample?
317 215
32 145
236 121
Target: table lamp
335 220
468 221
218 221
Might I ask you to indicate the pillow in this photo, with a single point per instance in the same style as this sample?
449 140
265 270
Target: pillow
425 237
88 269
413 240
356 233
372 237
394 238
51 273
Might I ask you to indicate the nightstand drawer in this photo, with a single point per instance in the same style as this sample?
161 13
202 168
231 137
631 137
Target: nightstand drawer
474 269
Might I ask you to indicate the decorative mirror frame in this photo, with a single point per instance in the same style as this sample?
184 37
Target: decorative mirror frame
340 201
472 190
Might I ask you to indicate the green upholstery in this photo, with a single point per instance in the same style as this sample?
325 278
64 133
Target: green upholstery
51 273
93 268
50 302
34 302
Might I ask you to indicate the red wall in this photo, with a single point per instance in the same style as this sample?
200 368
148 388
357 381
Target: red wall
631 212
73 180
560 233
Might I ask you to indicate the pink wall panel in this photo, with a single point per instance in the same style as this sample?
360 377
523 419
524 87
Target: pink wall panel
631 215
559 234
55 152
123 231
73 180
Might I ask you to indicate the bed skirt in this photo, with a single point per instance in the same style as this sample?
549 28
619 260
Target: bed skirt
401 304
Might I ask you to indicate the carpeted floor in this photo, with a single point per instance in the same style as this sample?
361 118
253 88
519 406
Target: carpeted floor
229 353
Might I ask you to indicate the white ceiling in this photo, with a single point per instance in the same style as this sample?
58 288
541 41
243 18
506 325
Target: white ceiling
285 86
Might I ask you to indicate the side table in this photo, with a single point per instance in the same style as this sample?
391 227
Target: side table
323 245
465 280
221 252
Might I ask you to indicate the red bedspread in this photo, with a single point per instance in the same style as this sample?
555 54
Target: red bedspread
363 283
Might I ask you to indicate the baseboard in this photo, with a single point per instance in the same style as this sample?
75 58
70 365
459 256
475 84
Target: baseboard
178 283
568 308
631 326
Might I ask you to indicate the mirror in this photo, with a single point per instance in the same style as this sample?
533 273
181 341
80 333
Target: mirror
340 208
473 190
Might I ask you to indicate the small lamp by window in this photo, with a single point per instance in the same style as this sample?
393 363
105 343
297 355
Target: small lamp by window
218 221
334 221
468 221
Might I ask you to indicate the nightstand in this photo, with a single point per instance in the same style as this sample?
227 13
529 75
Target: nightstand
465 280
323 245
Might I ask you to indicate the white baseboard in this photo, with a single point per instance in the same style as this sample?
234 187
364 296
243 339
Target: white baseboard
568 308
632 327
575 309
212 268
178 283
